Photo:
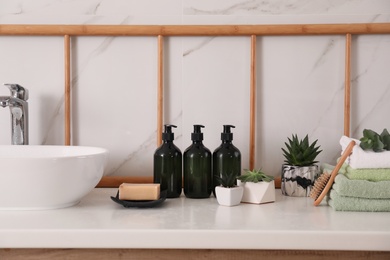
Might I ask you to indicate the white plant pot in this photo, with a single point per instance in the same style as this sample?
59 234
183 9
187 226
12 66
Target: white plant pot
258 193
229 196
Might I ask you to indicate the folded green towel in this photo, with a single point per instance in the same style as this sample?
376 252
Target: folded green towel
361 188
342 203
375 174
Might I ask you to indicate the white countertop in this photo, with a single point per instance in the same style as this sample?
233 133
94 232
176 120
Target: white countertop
288 223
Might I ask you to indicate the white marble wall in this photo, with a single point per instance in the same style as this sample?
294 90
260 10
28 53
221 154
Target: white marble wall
300 79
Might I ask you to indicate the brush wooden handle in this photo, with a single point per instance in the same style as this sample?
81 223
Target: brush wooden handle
336 169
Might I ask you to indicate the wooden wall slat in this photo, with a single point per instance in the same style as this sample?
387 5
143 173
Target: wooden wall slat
160 87
347 90
67 94
252 126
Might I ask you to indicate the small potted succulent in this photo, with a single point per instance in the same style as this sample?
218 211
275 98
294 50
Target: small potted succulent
227 192
258 187
300 169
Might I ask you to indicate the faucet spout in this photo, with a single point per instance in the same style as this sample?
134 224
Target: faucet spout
4 101
18 106
17 91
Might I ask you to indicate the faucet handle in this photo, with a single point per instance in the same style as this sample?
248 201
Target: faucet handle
17 91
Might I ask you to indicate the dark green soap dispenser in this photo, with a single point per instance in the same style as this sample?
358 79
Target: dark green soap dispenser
226 158
197 167
168 165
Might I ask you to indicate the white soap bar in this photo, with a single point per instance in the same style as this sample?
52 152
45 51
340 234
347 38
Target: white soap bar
139 191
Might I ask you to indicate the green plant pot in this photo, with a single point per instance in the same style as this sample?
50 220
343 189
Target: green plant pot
298 181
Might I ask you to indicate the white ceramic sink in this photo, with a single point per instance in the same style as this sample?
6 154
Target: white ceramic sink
48 177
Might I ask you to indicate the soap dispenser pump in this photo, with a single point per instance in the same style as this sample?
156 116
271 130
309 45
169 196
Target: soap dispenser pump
197 172
167 164
226 158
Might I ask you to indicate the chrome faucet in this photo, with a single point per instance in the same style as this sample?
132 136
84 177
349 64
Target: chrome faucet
18 106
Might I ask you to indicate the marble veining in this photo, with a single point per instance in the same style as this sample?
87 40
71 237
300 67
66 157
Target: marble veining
150 142
198 46
381 104
58 111
277 7
247 6
57 114
321 59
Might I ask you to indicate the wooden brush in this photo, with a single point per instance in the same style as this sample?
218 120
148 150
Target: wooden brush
325 181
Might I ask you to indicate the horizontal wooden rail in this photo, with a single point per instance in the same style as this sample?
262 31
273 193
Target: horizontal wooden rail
115 181
194 30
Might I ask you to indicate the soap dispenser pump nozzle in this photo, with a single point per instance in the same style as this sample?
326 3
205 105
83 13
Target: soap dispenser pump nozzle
168 135
227 135
197 135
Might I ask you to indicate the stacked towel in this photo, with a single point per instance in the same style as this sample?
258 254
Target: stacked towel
343 203
361 159
359 195
371 174
361 188
363 182
377 174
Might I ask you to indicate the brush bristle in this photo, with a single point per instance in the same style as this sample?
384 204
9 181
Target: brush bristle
319 185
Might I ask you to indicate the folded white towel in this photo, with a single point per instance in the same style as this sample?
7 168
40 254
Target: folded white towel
361 159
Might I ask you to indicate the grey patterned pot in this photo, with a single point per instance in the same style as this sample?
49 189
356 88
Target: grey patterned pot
298 181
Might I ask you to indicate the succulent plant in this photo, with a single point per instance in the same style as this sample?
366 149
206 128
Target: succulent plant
372 140
300 152
255 176
227 180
